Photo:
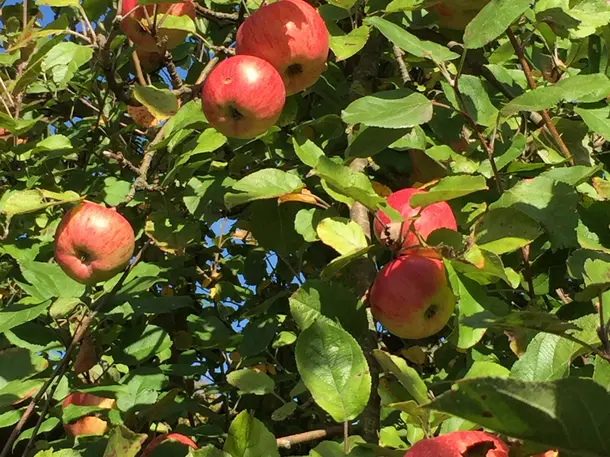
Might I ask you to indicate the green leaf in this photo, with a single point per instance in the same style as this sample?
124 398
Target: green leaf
171 232
343 235
308 152
597 119
162 103
373 140
258 334
64 59
19 313
601 373
339 263
15 202
248 437
334 370
531 320
583 88
18 364
207 451
567 414
317 298
115 190
345 4
406 375
470 301
410 43
209 331
548 356
449 188
263 184
284 411
345 45
143 343
505 230
124 442
16 391
394 109
492 21
184 22
550 202
515 150
476 99
251 382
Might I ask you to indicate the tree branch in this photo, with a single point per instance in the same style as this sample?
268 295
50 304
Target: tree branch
404 71
288 441
211 14
141 182
65 361
548 122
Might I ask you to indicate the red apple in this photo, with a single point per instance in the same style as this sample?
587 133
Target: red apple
243 97
174 437
411 297
88 425
456 444
291 36
93 243
136 27
433 217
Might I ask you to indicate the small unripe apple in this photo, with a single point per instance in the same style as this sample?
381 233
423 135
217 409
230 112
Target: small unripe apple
172 437
411 297
137 28
243 96
456 444
291 36
456 14
88 425
93 243
433 217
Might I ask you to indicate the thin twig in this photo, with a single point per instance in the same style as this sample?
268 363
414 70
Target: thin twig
548 122
120 158
404 71
346 437
211 14
8 94
141 182
136 63
287 442
89 26
65 361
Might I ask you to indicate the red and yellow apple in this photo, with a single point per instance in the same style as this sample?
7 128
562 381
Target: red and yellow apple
401 234
456 14
88 425
291 36
136 26
243 96
411 297
93 243
170 437
458 444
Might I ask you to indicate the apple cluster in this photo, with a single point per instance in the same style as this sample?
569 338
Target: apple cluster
281 50
410 296
93 425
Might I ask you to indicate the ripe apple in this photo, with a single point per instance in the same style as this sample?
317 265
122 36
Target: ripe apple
433 217
411 297
456 14
150 61
88 425
243 96
136 27
291 36
93 243
456 444
172 437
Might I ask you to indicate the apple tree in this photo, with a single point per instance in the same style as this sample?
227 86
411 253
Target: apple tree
249 228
